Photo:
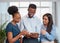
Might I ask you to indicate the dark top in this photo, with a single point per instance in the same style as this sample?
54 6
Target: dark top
14 29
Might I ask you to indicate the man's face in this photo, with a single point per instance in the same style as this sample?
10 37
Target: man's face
31 12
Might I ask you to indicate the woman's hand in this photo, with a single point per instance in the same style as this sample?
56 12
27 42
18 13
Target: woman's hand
43 32
24 32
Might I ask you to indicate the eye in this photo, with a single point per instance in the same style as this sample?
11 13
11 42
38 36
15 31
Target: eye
45 19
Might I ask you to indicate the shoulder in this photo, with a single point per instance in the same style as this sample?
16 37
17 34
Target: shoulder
24 17
38 20
36 17
53 27
9 26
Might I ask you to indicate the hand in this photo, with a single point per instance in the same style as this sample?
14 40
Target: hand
24 32
34 35
43 32
20 36
28 35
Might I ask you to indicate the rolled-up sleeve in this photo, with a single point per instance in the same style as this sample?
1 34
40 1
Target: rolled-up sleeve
52 35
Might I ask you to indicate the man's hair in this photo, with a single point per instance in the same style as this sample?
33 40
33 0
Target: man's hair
32 6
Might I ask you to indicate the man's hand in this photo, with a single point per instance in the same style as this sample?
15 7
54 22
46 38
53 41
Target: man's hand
28 35
34 35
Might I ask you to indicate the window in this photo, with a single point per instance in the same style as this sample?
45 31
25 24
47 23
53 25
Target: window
42 8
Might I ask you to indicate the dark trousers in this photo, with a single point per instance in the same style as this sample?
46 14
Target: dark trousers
30 40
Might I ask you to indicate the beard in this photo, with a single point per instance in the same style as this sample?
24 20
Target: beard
30 15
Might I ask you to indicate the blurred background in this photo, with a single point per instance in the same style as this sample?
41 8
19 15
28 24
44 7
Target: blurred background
43 6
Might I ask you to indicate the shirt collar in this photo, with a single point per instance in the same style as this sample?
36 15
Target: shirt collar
28 16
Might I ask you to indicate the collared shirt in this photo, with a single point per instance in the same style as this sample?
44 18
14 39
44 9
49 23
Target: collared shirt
47 36
32 25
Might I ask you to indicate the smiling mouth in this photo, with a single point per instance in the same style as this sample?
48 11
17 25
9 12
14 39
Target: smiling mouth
31 15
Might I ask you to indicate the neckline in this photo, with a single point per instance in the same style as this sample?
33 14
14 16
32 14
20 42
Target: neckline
12 24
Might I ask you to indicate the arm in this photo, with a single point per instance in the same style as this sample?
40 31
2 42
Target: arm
10 35
11 39
34 35
23 29
50 36
37 31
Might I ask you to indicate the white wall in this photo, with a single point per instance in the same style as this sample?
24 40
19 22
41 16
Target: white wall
58 20
4 16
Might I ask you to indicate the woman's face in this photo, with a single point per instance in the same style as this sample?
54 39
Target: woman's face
17 17
45 20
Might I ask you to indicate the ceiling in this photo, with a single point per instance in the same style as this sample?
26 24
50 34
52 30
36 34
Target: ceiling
26 0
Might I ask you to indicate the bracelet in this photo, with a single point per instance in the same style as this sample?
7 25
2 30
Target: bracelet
22 36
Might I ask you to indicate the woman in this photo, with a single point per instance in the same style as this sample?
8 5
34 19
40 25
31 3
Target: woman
47 29
13 32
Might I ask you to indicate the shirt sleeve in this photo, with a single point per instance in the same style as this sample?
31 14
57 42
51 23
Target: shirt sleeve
21 25
38 28
52 35
9 28
38 25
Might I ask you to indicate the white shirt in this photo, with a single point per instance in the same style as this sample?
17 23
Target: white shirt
32 25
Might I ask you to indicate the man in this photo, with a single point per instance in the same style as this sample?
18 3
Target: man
31 24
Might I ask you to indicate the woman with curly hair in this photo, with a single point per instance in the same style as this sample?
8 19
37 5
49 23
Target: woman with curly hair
12 31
